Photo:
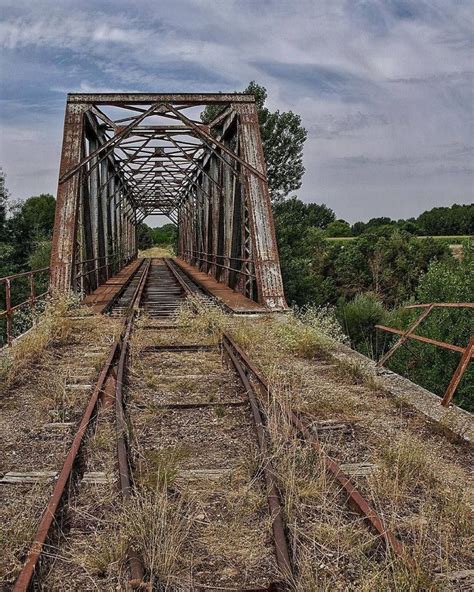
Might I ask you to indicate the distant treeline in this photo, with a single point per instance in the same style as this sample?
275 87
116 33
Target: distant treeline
456 220
162 235
445 221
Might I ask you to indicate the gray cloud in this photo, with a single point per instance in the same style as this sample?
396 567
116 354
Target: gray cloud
384 87
328 126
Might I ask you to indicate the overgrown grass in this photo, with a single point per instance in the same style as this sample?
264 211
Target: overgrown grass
158 251
16 535
157 526
421 495
53 327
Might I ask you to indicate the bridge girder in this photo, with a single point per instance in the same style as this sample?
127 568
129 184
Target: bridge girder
123 160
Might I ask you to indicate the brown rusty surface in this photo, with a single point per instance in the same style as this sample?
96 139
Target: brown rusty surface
63 250
458 374
146 98
235 301
100 299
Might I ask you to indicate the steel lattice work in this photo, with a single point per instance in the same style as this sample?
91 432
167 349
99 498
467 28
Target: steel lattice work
128 156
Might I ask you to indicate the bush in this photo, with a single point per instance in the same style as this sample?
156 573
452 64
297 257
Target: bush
359 318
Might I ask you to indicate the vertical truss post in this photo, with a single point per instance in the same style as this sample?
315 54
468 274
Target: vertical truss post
67 202
264 252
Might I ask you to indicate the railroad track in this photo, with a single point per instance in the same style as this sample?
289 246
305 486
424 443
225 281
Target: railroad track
190 431
69 478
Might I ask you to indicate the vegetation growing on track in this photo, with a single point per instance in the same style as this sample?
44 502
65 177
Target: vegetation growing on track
419 484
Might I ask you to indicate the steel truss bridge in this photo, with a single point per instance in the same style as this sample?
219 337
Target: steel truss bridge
129 156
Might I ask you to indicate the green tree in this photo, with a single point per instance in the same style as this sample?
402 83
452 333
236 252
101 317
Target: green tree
338 228
144 236
455 220
165 235
303 251
376 222
387 262
358 318
283 138
358 228
38 213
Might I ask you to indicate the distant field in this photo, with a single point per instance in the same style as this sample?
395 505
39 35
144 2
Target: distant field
452 240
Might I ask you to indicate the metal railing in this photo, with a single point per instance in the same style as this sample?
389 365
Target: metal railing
467 353
11 309
95 268
204 258
30 279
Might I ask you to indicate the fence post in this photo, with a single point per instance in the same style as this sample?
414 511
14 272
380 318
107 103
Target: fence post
456 378
32 293
8 302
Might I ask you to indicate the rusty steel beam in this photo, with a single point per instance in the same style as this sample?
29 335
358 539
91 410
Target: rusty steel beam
262 229
119 99
404 335
467 352
442 305
444 345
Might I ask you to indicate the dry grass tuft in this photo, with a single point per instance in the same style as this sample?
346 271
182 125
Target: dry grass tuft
16 535
157 526
105 550
203 319
159 468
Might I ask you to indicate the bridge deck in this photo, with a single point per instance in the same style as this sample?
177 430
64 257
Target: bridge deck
101 297
235 301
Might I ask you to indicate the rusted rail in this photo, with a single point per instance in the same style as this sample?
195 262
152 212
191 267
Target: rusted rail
275 509
355 499
274 505
135 562
28 571
467 353
31 301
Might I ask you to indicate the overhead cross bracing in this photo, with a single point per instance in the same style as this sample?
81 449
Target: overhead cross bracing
129 156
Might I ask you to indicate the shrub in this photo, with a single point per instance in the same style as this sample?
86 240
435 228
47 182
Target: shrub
359 318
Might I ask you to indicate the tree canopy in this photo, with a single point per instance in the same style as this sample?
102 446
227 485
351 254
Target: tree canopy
283 138
444 221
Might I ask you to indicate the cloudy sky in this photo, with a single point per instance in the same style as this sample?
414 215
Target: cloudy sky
384 87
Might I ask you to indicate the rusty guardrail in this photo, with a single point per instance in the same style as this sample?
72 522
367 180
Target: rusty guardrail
100 268
33 298
467 353
101 273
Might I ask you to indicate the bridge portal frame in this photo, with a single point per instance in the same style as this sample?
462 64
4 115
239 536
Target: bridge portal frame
209 179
